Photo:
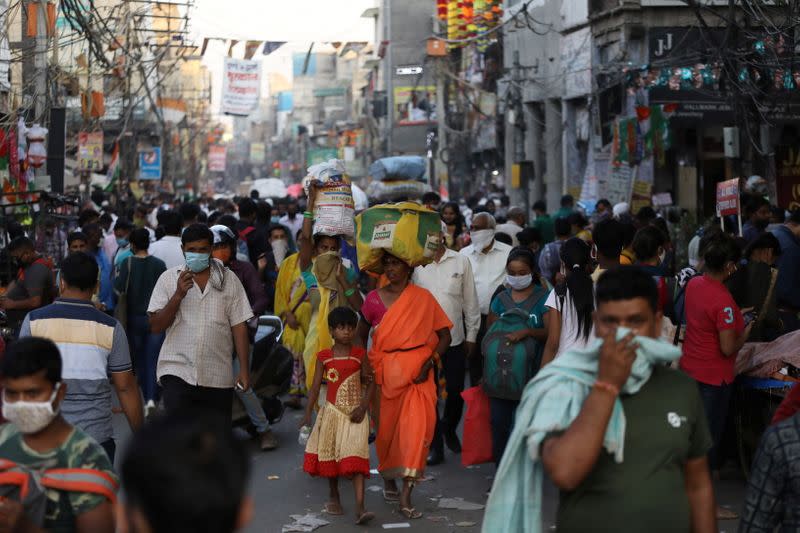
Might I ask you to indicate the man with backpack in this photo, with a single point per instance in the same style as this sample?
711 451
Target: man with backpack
60 480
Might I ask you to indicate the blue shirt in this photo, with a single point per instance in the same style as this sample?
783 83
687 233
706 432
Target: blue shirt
787 288
750 232
106 295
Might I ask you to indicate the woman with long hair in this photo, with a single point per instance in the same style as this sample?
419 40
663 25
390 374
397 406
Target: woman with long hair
452 217
410 332
571 304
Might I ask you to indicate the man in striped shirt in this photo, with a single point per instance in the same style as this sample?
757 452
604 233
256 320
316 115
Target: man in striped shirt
93 346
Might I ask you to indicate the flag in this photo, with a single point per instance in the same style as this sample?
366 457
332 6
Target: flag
113 169
250 49
271 46
233 42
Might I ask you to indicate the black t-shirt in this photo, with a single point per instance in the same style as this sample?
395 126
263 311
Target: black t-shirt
665 427
36 280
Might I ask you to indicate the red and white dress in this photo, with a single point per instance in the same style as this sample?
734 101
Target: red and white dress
337 447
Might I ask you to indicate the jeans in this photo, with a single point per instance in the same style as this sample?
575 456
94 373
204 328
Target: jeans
716 399
110 448
454 364
251 403
145 347
502 419
180 397
476 361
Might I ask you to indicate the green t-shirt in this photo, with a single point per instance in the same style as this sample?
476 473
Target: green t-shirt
78 451
665 427
544 224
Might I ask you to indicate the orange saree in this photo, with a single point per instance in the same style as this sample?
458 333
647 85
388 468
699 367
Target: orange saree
404 339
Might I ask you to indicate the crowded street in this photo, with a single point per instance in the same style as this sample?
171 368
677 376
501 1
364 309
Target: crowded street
491 266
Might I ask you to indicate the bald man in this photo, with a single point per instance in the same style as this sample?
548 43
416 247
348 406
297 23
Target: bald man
488 259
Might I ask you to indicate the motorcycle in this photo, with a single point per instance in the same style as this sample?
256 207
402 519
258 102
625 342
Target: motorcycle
270 373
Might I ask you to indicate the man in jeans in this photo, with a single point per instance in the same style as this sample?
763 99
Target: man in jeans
92 345
203 308
225 251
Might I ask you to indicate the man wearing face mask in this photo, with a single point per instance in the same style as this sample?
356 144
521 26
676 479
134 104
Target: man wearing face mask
203 308
39 437
93 346
291 219
488 259
449 278
34 285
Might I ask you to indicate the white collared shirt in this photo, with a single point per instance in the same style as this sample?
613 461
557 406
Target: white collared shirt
511 229
452 284
489 270
169 250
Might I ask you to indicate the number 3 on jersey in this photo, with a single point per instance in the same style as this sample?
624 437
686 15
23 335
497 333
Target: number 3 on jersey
728 315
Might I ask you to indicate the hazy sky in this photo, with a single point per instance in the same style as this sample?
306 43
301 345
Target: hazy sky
299 22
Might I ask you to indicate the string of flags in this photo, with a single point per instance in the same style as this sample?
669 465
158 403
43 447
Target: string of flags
251 46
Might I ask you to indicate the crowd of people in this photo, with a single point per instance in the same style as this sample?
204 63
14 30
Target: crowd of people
579 329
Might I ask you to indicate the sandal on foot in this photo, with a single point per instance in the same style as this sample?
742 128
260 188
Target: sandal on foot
410 513
333 509
364 518
726 514
391 496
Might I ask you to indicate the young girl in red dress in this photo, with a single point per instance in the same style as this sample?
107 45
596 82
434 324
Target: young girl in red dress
339 442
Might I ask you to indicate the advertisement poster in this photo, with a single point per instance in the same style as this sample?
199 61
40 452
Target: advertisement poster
618 187
787 163
216 158
150 164
90 151
728 197
414 105
321 155
258 153
241 86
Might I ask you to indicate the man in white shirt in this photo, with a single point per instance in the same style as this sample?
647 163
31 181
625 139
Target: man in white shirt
168 249
291 219
516 221
488 259
449 278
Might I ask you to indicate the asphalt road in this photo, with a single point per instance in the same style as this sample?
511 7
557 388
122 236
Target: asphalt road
280 489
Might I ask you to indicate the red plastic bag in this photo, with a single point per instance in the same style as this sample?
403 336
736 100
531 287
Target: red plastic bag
476 447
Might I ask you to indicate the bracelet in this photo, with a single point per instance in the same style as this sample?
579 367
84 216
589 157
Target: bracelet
608 387
349 292
307 214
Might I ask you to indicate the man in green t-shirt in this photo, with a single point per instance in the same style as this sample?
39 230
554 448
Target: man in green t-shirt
39 438
543 222
663 483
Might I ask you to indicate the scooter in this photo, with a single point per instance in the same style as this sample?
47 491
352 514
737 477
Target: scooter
270 372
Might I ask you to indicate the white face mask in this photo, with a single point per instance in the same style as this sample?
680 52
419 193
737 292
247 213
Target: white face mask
31 417
279 249
519 283
482 238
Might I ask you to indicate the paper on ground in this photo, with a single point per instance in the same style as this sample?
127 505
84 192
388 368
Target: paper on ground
460 504
397 525
304 523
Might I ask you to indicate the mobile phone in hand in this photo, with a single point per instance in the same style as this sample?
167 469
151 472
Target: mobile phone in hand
749 317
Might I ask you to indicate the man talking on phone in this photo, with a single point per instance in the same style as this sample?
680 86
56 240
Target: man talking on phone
203 308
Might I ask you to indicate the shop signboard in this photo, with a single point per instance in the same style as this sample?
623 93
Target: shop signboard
217 156
728 198
787 164
150 164
257 153
241 86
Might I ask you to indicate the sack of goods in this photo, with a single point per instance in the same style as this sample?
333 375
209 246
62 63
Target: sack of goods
402 167
334 209
406 230
392 191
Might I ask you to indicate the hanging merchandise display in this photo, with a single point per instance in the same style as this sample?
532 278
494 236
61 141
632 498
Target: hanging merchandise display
441 9
37 153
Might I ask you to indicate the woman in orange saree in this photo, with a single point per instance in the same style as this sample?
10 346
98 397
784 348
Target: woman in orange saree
410 332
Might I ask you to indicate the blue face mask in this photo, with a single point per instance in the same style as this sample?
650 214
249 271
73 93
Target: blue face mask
122 242
276 219
197 262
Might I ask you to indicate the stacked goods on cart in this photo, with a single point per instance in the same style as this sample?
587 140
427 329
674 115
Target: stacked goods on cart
398 177
406 230
334 209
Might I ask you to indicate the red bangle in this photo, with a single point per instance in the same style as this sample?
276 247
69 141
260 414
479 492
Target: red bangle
608 387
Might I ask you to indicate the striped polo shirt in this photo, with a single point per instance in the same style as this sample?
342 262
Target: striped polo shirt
93 345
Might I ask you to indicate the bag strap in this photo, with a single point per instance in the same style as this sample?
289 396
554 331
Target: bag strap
19 479
81 480
128 281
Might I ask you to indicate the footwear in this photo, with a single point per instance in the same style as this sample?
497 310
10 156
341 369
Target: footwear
410 513
333 509
149 408
435 458
294 404
391 496
364 518
268 441
452 442
726 514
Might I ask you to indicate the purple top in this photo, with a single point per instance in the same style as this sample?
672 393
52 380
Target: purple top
253 287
